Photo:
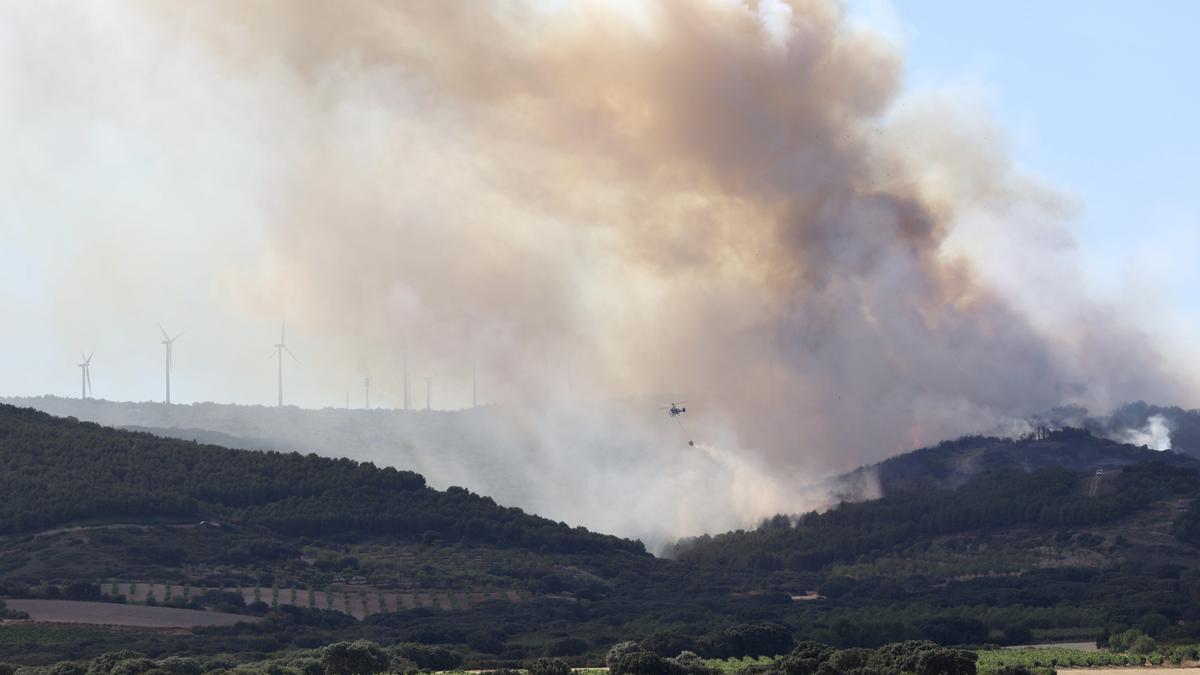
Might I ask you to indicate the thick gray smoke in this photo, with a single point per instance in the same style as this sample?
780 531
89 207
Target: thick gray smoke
724 201
579 197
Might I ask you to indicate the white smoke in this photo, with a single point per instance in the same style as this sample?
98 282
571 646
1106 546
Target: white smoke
1156 435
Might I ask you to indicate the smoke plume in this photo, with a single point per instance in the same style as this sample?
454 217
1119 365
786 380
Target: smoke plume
1156 435
729 202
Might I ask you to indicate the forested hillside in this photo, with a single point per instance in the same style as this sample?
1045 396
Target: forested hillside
952 463
1048 498
56 471
1008 556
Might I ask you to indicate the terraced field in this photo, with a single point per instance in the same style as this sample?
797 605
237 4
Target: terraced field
356 601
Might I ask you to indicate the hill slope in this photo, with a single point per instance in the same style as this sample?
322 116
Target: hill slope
950 464
55 471
599 465
1007 553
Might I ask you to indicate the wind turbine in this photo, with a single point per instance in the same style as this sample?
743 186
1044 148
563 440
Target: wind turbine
404 354
279 350
85 385
428 390
167 342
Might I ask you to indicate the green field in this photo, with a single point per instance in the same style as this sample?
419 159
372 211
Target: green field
1058 657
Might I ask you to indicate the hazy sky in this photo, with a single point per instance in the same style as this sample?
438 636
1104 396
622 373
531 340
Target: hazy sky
166 170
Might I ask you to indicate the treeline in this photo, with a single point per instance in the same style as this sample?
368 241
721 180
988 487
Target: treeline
57 471
1047 497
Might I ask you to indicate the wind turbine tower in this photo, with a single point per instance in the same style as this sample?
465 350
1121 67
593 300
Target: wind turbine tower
278 353
428 390
168 341
367 386
404 357
474 385
85 376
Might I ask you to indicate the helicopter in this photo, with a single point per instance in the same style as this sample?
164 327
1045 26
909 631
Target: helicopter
674 410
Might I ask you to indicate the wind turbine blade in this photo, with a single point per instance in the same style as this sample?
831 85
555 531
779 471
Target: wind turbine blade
291 354
282 330
176 337
273 353
164 332
89 358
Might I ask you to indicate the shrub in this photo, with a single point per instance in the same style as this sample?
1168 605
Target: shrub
426 657
668 643
488 641
1022 670
571 646
306 666
758 639
1133 641
180 665
360 657
218 663
845 660
619 650
103 664
1153 624
6 613
954 630
691 663
66 668
1017 635
81 590
133 667
1181 654
946 662
547 667
7 669
644 663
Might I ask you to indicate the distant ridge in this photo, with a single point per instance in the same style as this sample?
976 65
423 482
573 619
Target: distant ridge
951 464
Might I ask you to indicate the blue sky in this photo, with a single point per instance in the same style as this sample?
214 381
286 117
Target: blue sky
1100 99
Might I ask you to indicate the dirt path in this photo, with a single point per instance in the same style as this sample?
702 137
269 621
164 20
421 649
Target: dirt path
1081 646
1133 670
109 526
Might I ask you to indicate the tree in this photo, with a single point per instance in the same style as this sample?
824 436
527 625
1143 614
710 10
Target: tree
619 650
547 667
668 643
103 664
645 663
360 657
